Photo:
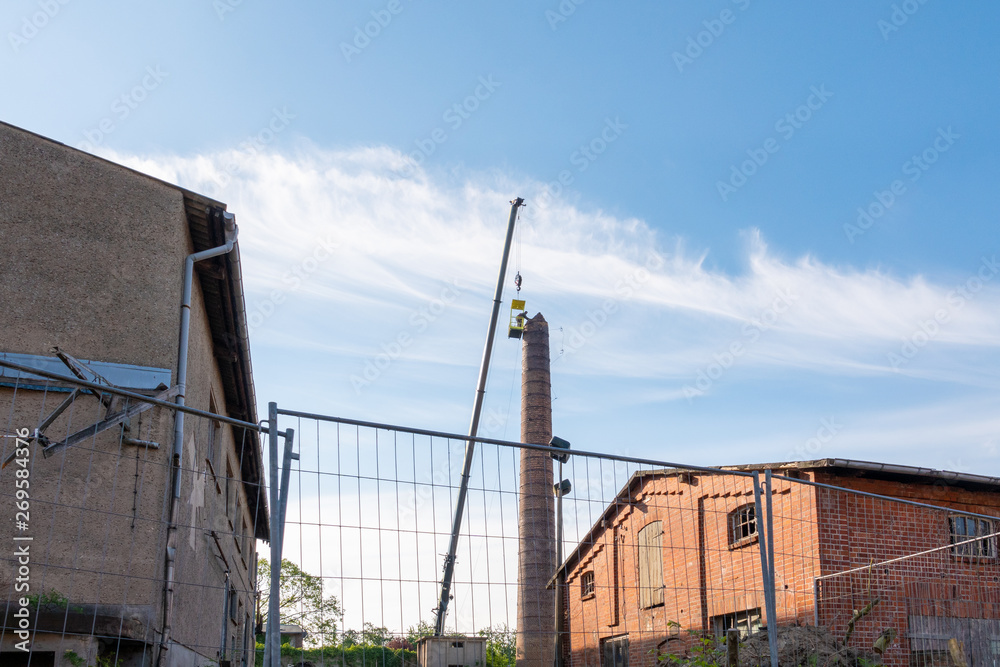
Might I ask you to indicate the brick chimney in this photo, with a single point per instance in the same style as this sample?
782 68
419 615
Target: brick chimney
536 552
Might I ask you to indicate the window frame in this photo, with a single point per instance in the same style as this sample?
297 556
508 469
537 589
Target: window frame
234 603
232 494
984 549
749 622
214 439
587 586
743 516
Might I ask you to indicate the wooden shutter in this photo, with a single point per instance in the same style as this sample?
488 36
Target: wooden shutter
650 565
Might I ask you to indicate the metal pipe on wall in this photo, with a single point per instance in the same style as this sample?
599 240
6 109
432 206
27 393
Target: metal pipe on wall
231 232
225 619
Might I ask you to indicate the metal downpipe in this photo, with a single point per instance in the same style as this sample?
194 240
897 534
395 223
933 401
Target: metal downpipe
231 232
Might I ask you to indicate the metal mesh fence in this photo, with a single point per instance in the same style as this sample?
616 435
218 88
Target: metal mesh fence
927 578
658 560
659 563
88 528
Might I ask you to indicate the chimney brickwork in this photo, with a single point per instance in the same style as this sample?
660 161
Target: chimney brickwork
536 555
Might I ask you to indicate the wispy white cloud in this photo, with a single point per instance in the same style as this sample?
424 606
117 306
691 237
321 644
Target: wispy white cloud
400 239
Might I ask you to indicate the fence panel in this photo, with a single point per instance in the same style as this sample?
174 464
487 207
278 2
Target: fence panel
84 559
658 560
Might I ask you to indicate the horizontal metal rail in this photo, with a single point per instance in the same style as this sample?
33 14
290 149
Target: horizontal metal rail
509 443
867 494
862 568
676 467
127 394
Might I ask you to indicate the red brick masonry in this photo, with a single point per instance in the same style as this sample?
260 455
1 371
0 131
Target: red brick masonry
708 572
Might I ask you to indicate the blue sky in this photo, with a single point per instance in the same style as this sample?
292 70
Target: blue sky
714 157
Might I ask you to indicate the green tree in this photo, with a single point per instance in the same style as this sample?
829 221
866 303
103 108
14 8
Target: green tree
423 629
302 601
373 636
501 646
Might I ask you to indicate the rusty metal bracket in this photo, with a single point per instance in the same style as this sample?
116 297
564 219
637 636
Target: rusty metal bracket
115 414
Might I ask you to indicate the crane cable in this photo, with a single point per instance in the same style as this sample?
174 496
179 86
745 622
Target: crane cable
517 254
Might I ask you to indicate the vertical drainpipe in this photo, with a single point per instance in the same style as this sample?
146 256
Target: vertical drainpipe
175 463
225 619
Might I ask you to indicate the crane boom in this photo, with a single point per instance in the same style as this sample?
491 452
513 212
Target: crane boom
470 445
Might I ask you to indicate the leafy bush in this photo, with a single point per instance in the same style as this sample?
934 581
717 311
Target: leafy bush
359 655
501 646
706 652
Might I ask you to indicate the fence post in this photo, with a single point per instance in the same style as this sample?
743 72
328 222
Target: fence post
279 506
766 562
733 648
772 611
272 641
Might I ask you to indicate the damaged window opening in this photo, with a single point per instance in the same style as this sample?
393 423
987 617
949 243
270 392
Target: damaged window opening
214 436
746 622
742 526
966 528
587 584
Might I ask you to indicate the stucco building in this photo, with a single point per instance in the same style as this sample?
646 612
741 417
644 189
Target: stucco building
677 555
93 265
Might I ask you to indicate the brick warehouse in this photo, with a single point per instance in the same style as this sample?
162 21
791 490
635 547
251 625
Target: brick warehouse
676 555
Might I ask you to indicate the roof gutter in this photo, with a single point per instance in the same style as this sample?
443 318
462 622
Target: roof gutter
231 232
913 470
